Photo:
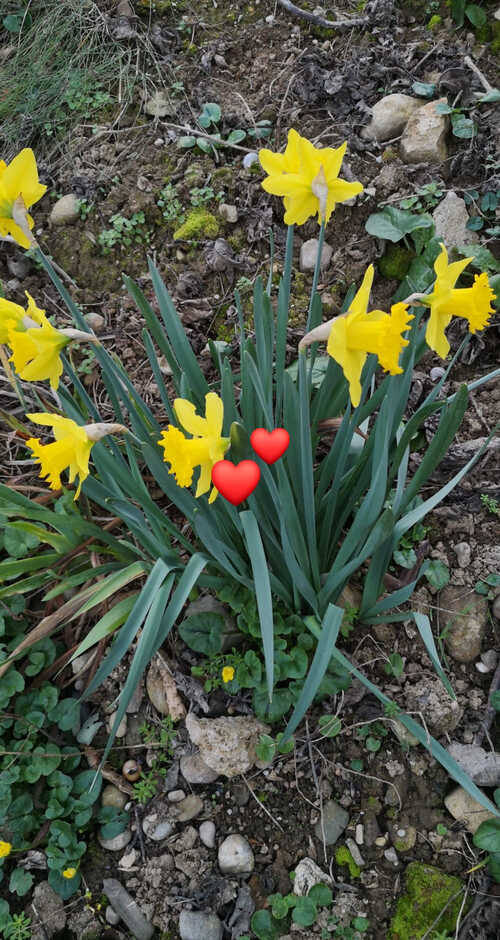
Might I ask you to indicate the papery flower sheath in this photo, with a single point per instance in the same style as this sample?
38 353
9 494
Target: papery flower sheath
205 448
70 450
19 189
308 179
471 303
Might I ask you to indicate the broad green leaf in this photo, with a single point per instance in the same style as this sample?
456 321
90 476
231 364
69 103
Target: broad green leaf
321 895
487 836
475 14
20 881
393 224
203 632
304 912
107 624
437 573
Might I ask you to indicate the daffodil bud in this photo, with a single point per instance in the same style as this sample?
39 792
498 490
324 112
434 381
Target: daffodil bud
95 432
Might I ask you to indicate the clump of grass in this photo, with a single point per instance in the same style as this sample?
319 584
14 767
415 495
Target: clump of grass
66 66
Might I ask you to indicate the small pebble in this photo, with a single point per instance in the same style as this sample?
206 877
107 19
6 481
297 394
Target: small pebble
381 841
249 159
235 856
391 855
175 796
437 373
359 834
207 833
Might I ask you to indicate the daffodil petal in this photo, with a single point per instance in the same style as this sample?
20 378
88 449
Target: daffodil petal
359 303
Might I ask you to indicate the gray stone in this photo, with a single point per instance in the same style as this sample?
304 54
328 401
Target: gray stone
356 854
424 137
111 916
228 213
175 796
127 909
496 607
112 796
195 925
50 909
308 874
331 827
97 324
309 253
195 770
235 856
483 767
390 116
171 777
158 824
227 745
464 807
122 727
207 833
463 552
392 856
66 210
187 808
117 842
403 839
249 159
450 221
465 614
18 267
440 712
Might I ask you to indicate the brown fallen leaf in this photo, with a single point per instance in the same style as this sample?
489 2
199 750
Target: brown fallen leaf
162 690
107 772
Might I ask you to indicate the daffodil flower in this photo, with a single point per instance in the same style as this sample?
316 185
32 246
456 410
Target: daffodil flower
19 189
70 450
471 303
5 849
36 345
203 449
352 336
308 179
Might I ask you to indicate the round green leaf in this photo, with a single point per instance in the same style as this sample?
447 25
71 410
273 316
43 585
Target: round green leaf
487 837
330 726
20 881
203 632
304 912
265 748
321 895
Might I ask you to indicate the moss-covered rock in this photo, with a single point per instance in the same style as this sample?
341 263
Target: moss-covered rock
344 857
199 223
396 262
428 892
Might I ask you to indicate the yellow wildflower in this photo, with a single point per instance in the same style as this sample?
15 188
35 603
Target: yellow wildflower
5 849
227 674
69 873
471 303
19 187
70 450
308 179
205 448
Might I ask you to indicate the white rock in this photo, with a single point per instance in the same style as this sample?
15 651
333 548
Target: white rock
390 116
117 842
450 221
249 159
111 916
309 253
175 796
158 825
463 552
187 808
227 745
228 213
112 796
436 373
391 855
80 662
466 809
483 767
424 137
235 856
467 614
195 925
308 874
122 727
128 860
207 833
66 210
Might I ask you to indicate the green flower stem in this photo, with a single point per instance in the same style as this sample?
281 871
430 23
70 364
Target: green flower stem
317 268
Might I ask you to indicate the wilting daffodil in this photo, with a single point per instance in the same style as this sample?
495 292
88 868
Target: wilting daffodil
203 449
308 179
352 336
471 303
19 189
36 344
70 450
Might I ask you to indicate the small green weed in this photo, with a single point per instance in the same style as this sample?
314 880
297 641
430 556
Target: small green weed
163 737
490 504
124 232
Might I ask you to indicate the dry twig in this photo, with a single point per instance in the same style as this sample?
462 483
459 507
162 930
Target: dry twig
319 20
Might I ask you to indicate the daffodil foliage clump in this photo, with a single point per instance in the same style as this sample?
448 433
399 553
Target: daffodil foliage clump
309 525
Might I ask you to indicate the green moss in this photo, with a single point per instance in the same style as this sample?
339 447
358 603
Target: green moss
198 223
344 857
428 891
237 240
495 36
389 155
434 22
395 262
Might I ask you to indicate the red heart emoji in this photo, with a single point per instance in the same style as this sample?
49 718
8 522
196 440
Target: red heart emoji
270 445
235 483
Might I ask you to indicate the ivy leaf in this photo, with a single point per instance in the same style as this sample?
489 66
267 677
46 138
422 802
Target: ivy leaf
487 837
203 632
20 881
265 750
437 573
18 544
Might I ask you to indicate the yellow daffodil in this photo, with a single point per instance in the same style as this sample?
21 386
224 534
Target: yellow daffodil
227 674
471 303
308 179
36 345
352 336
70 450
203 449
19 189
5 849
69 873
